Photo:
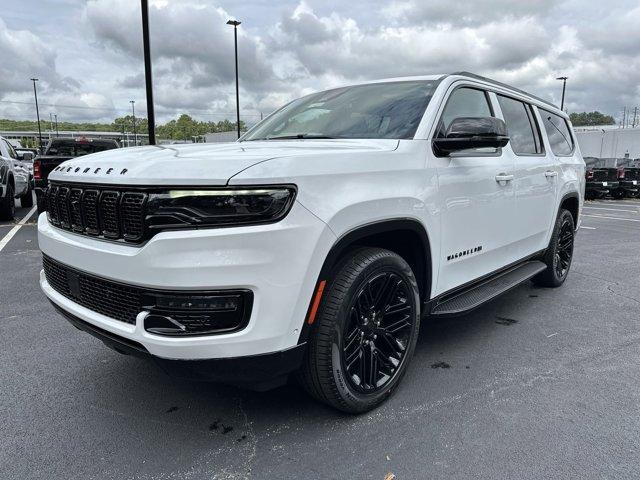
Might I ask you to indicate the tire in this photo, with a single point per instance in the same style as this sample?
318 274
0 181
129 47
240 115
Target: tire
26 200
559 253
618 194
352 362
8 204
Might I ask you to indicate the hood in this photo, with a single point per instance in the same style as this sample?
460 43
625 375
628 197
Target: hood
200 163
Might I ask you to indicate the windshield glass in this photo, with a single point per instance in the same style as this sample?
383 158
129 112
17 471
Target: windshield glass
380 110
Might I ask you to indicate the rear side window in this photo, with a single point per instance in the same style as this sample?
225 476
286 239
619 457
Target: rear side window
558 132
523 131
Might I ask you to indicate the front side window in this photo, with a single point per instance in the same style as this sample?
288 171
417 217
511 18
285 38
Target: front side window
558 133
379 110
465 102
10 150
523 134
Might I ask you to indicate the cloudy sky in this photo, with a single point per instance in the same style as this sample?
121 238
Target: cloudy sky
88 54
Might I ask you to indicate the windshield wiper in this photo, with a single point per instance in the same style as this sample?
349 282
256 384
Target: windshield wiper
297 136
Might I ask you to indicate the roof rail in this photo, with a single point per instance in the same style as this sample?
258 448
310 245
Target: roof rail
504 85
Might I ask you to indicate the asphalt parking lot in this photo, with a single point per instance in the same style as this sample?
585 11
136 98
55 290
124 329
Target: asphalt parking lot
540 383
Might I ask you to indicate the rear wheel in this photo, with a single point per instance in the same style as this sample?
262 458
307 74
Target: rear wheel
8 205
559 253
365 332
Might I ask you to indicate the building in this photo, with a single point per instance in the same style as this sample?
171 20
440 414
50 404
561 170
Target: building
609 141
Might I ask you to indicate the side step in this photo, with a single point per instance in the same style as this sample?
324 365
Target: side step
486 290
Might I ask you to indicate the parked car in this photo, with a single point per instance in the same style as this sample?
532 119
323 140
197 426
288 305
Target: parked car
628 179
316 244
14 182
601 182
59 150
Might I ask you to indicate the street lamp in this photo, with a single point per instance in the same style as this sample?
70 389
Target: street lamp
35 94
564 87
133 111
55 116
151 116
235 24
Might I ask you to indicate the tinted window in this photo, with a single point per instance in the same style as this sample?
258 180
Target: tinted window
464 102
10 150
558 133
523 134
380 110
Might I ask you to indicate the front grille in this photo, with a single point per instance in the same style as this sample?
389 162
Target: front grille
97 211
114 300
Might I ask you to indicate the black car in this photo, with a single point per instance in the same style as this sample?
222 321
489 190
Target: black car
629 180
59 150
601 182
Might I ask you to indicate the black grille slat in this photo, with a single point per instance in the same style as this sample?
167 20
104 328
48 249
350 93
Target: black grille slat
62 205
90 211
131 211
75 197
108 214
50 200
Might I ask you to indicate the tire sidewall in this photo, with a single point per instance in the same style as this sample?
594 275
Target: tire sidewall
365 401
564 215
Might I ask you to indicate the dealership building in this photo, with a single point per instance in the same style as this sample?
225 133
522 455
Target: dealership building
610 142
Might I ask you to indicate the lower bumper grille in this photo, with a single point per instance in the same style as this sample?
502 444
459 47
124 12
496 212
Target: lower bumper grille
175 313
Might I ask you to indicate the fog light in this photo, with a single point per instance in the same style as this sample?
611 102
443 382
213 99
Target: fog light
197 314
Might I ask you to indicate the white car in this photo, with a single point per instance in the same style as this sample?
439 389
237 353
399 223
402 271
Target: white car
317 242
15 182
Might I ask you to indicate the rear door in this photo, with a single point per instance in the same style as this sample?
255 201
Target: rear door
476 199
536 175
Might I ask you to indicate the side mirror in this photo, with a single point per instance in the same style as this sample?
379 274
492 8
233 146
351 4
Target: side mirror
27 156
472 132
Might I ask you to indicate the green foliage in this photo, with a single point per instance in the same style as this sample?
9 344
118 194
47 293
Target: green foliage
591 118
183 128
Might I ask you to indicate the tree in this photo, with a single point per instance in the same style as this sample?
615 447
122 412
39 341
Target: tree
591 118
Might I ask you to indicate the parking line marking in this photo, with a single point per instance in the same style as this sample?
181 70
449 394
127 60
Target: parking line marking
587 228
612 209
613 202
7 238
611 218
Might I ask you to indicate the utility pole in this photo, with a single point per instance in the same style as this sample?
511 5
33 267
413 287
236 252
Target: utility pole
624 115
635 112
235 24
51 122
564 87
55 116
133 111
35 94
151 117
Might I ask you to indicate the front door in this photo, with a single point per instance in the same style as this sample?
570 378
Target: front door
477 200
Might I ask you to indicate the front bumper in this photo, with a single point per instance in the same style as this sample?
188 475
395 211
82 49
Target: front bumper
279 263
257 372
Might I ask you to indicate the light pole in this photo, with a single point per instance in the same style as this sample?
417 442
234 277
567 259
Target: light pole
151 117
35 94
235 24
133 111
55 116
564 87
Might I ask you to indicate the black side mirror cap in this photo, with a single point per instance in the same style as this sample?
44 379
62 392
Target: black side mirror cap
471 132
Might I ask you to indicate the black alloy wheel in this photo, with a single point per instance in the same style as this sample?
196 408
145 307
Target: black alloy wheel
365 331
377 332
564 249
559 254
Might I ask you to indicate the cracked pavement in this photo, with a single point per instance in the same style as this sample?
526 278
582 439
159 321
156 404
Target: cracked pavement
540 383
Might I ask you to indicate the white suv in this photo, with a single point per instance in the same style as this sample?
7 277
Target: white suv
317 242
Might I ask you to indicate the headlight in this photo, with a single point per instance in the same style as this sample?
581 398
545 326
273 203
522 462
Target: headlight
218 207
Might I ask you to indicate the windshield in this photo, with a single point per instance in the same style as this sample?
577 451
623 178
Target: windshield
379 110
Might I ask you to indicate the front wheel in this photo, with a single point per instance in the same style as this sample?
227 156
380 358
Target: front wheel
26 200
365 331
559 253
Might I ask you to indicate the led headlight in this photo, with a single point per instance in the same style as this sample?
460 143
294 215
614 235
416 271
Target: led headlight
218 207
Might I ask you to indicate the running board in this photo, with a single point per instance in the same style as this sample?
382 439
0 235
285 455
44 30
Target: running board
486 290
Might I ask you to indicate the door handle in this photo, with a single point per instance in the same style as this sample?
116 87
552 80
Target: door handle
503 177
550 174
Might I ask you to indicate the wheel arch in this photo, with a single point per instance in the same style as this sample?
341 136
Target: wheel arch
571 202
405 236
